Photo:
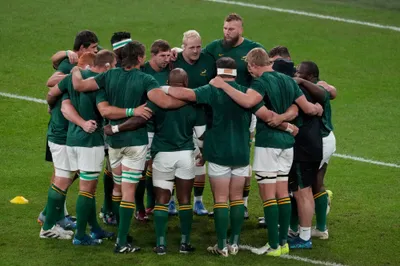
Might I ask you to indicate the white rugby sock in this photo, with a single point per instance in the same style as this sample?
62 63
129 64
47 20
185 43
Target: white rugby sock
305 233
198 198
65 208
245 199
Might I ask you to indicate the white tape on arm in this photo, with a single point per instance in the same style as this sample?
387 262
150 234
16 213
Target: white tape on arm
199 131
165 89
289 129
253 123
115 129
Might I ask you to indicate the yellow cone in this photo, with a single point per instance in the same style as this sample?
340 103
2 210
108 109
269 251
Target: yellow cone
19 200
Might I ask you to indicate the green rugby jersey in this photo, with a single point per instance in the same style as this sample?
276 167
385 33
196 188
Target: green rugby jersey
162 79
125 89
65 66
85 104
226 140
327 126
217 50
200 73
279 92
58 125
173 128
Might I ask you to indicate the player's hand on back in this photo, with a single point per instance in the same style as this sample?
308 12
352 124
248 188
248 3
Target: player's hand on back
89 126
72 57
320 109
143 111
174 53
217 82
107 130
74 69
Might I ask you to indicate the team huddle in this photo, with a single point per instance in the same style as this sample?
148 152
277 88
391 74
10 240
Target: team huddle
155 126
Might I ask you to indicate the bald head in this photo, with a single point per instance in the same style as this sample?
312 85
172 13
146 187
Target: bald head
178 77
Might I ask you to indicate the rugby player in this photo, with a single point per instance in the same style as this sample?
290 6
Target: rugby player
128 149
200 68
308 71
234 45
158 67
273 149
85 41
228 164
84 150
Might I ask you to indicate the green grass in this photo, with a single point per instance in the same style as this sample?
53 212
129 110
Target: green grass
360 61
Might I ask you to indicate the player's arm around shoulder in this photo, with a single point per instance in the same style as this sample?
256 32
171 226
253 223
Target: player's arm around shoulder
246 100
330 88
89 84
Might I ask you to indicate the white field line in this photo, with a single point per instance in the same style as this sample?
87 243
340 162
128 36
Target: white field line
344 156
291 257
308 14
26 98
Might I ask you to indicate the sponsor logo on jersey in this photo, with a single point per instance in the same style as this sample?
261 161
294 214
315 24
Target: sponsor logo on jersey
203 73
220 55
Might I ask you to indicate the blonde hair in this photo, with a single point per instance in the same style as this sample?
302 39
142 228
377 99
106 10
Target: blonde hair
258 57
190 34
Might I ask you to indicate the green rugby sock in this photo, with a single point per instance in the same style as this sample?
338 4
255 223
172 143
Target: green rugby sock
294 217
321 204
271 220
54 207
116 201
160 223
126 210
237 218
83 208
285 209
108 189
221 221
92 220
150 190
186 220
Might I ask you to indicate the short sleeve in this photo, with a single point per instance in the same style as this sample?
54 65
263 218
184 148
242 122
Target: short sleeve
101 80
258 87
101 96
65 67
257 107
297 90
152 106
65 96
204 94
63 84
150 83
209 49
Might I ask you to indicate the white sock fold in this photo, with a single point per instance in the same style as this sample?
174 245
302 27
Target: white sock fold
65 208
198 198
245 199
305 233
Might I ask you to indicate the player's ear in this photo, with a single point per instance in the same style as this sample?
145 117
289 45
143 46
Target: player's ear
108 66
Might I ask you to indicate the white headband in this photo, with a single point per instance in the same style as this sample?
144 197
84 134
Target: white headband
226 71
121 44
